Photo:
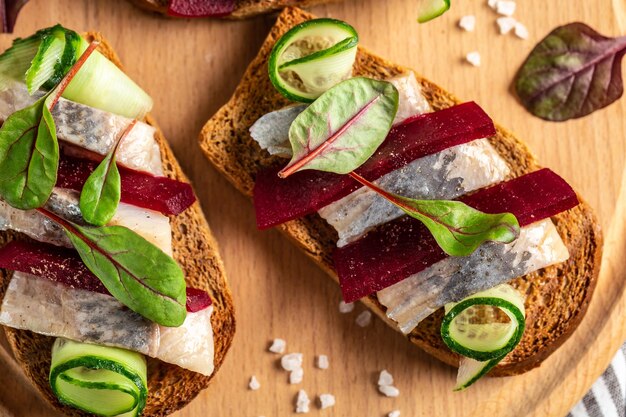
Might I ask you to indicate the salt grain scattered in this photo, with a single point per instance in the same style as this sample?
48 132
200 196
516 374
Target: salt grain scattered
364 319
505 24
468 23
473 58
254 383
493 4
291 361
322 362
394 413
389 390
326 400
345 307
521 31
296 376
505 7
385 378
278 346
302 402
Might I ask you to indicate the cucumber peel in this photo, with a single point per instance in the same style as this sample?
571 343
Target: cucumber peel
102 380
312 57
483 329
430 9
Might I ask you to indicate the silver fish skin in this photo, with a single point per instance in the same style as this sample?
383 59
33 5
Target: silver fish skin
271 131
49 308
442 176
92 129
411 300
53 309
151 225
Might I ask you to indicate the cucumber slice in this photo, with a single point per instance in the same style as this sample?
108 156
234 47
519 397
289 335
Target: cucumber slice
312 57
45 57
471 370
46 60
486 325
101 380
430 9
15 61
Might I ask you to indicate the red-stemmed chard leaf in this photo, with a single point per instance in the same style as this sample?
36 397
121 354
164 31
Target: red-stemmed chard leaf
571 73
102 191
133 270
343 127
29 149
10 9
458 228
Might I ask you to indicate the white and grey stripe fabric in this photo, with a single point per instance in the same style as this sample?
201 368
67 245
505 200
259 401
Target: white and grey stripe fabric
607 397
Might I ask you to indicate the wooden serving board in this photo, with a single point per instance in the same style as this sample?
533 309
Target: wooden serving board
191 68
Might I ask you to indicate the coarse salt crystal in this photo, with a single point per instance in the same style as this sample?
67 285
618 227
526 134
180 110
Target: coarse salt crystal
385 378
473 58
345 307
389 390
364 319
521 31
296 376
291 361
302 402
493 4
254 383
278 346
394 413
322 362
327 400
468 23
505 24
505 7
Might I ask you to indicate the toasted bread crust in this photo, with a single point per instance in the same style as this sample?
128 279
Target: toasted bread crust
244 8
196 251
557 297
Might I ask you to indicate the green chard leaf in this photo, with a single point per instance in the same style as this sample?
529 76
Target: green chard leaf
29 156
343 127
102 191
136 272
458 228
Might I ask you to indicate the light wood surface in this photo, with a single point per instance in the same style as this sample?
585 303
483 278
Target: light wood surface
191 68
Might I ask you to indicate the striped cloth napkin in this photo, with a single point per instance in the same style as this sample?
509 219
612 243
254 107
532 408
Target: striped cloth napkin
607 397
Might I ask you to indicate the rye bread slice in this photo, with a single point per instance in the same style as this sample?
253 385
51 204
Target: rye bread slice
196 251
243 8
557 297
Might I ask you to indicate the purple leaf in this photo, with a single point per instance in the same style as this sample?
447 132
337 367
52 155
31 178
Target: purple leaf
10 9
571 73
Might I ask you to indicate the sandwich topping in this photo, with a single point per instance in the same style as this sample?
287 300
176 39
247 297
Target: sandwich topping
82 175
426 213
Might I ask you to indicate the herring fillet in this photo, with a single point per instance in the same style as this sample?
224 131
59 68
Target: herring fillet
271 131
151 225
445 175
53 309
92 129
413 299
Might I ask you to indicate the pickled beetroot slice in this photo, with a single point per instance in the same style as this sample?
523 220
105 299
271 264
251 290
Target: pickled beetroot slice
201 8
279 200
65 266
403 247
140 189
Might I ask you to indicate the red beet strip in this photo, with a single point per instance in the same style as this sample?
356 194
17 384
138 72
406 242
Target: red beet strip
279 200
140 189
65 266
403 247
206 8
